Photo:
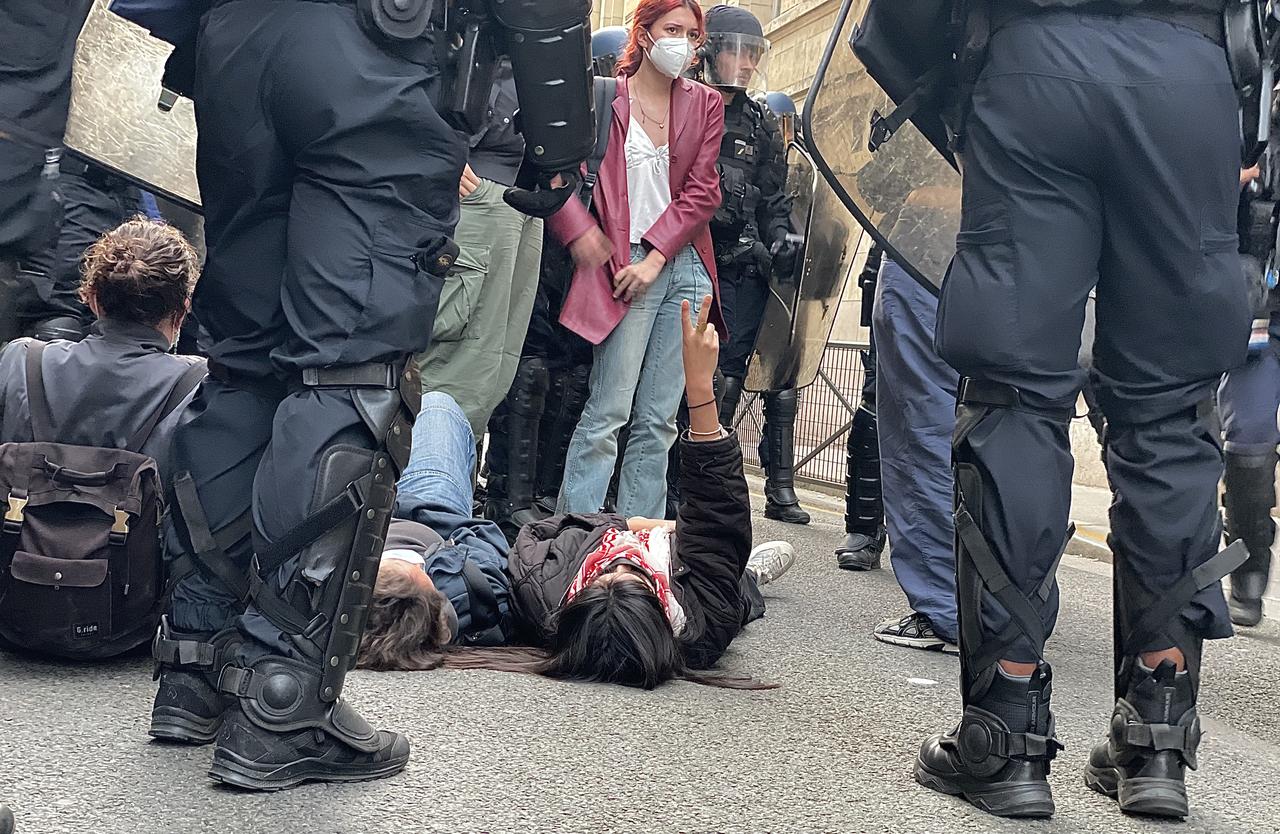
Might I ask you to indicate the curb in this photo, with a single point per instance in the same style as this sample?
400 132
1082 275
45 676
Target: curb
1090 541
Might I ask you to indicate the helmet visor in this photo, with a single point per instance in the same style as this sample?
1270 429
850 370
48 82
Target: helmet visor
736 61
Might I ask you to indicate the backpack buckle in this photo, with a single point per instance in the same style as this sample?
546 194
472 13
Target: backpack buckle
15 515
119 529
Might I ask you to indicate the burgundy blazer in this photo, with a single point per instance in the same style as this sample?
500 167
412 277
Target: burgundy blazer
697 125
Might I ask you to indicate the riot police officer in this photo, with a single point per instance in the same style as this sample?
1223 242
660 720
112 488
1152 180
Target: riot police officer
37 45
329 167
1100 146
750 235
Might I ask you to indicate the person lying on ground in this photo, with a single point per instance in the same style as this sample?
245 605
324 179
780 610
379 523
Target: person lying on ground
640 602
442 581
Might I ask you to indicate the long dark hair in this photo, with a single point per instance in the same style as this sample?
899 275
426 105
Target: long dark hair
612 632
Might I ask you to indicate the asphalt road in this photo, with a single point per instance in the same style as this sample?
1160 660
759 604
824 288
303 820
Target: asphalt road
829 751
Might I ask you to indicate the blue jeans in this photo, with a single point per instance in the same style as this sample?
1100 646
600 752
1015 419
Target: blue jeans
638 374
1248 398
916 415
443 457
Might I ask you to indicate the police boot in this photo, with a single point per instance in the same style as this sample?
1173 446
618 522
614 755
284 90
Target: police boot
1152 741
777 454
1250 495
863 505
998 756
732 396
513 459
188 708
564 410
314 583
60 327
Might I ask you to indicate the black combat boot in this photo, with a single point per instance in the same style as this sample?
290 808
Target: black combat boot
777 457
863 505
1249 498
1152 741
998 757
512 454
188 707
282 732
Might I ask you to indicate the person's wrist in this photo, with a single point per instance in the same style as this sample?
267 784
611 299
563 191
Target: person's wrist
698 392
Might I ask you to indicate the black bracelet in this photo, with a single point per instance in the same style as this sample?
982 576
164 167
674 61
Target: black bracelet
702 405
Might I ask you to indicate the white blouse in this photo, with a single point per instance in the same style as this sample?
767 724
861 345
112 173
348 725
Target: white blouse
648 180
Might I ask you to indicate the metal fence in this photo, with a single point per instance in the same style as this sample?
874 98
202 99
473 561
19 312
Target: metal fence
822 425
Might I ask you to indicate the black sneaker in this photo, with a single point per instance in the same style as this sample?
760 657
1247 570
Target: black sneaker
1245 601
913 631
187 710
249 757
860 551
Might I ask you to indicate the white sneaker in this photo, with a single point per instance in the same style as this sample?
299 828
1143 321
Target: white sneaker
770 560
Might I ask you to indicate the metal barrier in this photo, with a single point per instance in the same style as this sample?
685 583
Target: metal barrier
826 412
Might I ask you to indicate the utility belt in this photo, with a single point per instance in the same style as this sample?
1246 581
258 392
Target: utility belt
1207 23
95 175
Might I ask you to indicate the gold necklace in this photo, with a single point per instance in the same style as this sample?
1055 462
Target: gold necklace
645 116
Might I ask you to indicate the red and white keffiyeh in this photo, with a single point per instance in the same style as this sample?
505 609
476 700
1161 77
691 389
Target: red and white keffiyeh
649 551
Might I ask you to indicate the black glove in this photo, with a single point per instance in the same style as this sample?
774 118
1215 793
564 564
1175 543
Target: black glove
784 254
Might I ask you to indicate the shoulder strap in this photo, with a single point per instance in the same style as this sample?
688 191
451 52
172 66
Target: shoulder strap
37 401
606 90
186 383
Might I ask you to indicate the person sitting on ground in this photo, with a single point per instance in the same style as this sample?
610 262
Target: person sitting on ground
442 579
138 280
639 601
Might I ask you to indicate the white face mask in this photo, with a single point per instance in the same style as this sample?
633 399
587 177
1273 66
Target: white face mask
671 56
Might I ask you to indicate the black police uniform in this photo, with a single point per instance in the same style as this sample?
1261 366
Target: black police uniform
1102 147
37 45
754 215
94 201
329 179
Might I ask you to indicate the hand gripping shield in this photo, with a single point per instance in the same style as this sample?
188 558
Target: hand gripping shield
906 193
121 117
802 304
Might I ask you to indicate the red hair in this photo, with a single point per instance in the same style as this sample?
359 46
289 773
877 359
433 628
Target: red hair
647 13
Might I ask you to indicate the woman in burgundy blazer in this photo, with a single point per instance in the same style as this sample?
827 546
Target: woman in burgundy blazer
637 256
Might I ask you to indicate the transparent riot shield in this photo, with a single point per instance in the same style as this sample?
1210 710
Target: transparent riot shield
905 194
801 307
118 117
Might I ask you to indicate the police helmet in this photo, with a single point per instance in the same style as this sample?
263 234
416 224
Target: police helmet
606 47
735 53
784 107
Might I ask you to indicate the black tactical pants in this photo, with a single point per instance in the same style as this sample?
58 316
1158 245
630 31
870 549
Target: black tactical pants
1102 150
93 202
327 176
743 293
37 43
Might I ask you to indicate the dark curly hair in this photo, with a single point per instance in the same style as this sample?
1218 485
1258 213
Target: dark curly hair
141 271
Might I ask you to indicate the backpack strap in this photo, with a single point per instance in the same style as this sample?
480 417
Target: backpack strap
186 383
37 400
606 90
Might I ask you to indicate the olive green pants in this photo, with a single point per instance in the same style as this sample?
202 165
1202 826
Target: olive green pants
485 305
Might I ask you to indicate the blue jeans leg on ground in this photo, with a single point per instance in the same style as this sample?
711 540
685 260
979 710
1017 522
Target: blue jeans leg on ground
443 456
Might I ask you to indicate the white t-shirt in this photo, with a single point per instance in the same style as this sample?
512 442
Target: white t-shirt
648 180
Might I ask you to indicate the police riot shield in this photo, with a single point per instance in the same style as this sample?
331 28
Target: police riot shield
802 304
120 116
905 193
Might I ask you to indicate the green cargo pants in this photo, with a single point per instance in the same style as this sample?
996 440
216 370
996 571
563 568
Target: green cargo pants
485 305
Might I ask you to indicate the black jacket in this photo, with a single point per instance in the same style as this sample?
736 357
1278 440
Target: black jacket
712 543
100 390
